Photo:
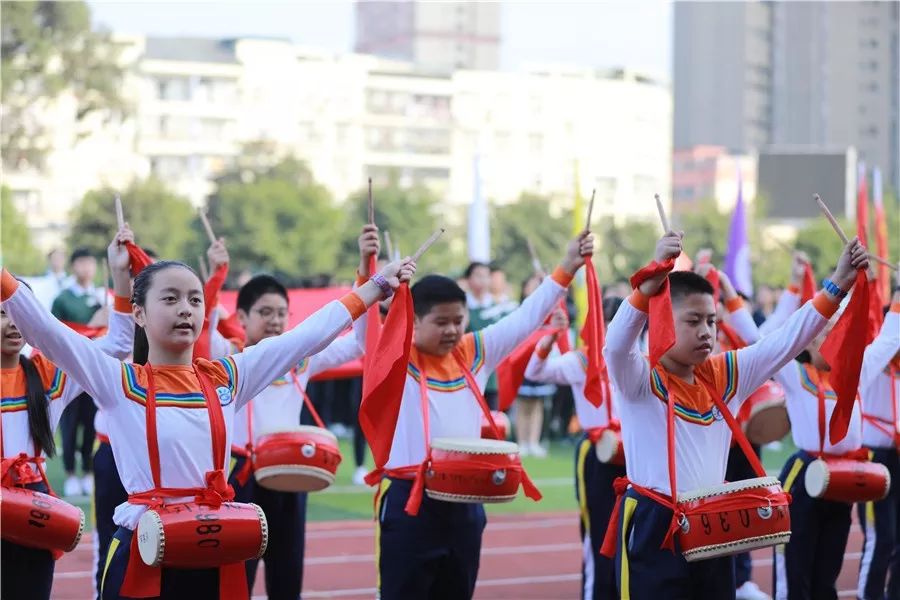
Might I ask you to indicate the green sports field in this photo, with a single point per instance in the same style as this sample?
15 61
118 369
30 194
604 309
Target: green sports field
554 476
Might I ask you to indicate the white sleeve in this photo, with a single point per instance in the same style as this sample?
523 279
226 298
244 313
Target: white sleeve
744 325
262 363
883 348
219 345
627 367
765 358
561 370
340 351
119 339
502 337
787 305
79 358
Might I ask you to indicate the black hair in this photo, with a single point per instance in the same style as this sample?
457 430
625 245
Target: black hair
435 289
139 289
79 253
475 265
611 307
151 253
256 288
686 283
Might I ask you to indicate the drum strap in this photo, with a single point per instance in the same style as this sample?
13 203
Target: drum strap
306 399
142 580
17 470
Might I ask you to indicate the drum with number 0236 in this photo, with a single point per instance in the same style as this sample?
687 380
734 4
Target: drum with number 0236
192 536
502 422
609 447
37 520
732 518
302 459
847 480
764 414
473 470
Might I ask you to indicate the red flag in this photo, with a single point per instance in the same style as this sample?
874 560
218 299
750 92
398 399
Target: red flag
862 207
808 287
373 322
661 319
139 258
592 335
231 328
843 349
211 299
511 372
385 376
562 341
876 316
881 236
713 278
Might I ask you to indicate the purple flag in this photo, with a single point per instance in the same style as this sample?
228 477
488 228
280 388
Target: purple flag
737 256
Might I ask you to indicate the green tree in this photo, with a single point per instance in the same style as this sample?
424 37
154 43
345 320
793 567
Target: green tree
49 48
528 219
161 220
278 219
410 215
17 252
623 248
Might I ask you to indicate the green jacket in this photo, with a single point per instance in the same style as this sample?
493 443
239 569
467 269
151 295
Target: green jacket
74 307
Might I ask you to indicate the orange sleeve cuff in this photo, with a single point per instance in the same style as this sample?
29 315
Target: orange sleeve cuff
895 307
825 305
562 277
8 285
735 304
793 289
639 301
122 304
360 280
354 305
543 352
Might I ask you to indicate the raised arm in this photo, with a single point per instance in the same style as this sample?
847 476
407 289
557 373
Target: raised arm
340 351
628 368
884 347
567 369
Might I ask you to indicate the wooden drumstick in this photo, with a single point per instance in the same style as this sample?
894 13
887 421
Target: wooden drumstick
880 260
431 240
662 214
120 214
204 270
831 219
587 223
389 247
535 261
207 226
371 204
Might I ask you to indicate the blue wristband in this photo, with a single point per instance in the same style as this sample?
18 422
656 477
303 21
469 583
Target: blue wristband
832 289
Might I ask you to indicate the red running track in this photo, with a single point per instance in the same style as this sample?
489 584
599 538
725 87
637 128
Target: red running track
533 556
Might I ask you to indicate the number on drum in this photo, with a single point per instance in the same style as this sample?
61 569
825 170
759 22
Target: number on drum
209 543
208 529
723 521
704 520
744 515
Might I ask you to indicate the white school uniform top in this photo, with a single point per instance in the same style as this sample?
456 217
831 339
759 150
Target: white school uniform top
800 389
183 424
279 405
571 369
875 382
702 437
60 389
452 408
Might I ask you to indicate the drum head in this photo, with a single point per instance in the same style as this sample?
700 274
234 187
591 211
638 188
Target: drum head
816 478
727 488
768 423
293 478
475 445
464 499
607 446
151 538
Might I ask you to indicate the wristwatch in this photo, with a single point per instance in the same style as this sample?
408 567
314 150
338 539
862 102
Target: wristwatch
379 280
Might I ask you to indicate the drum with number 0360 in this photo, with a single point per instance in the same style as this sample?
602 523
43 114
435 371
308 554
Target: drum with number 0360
609 448
473 470
302 459
764 414
847 480
502 422
192 536
37 520
732 518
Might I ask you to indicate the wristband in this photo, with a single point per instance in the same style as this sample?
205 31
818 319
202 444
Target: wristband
832 289
379 280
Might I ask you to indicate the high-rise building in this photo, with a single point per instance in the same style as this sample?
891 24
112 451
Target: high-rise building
435 36
801 75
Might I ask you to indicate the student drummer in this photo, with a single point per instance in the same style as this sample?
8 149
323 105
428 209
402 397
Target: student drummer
436 553
645 567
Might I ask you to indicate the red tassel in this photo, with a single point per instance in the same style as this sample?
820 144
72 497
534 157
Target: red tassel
139 258
608 548
511 372
661 318
141 580
713 278
843 349
415 493
876 316
808 287
233 582
529 488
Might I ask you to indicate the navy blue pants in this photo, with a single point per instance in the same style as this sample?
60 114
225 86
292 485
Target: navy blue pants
177 584
879 568
431 556
108 494
596 500
286 515
79 414
645 571
808 566
26 573
739 468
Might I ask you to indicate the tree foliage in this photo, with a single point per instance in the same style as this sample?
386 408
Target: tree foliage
49 48
161 220
17 252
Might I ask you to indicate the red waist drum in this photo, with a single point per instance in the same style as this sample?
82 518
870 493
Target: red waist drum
609 447
302 459
37 520
502 422
192 536
847 480
764 414
732 518
473 470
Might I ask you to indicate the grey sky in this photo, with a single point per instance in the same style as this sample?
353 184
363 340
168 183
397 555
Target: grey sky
634 34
